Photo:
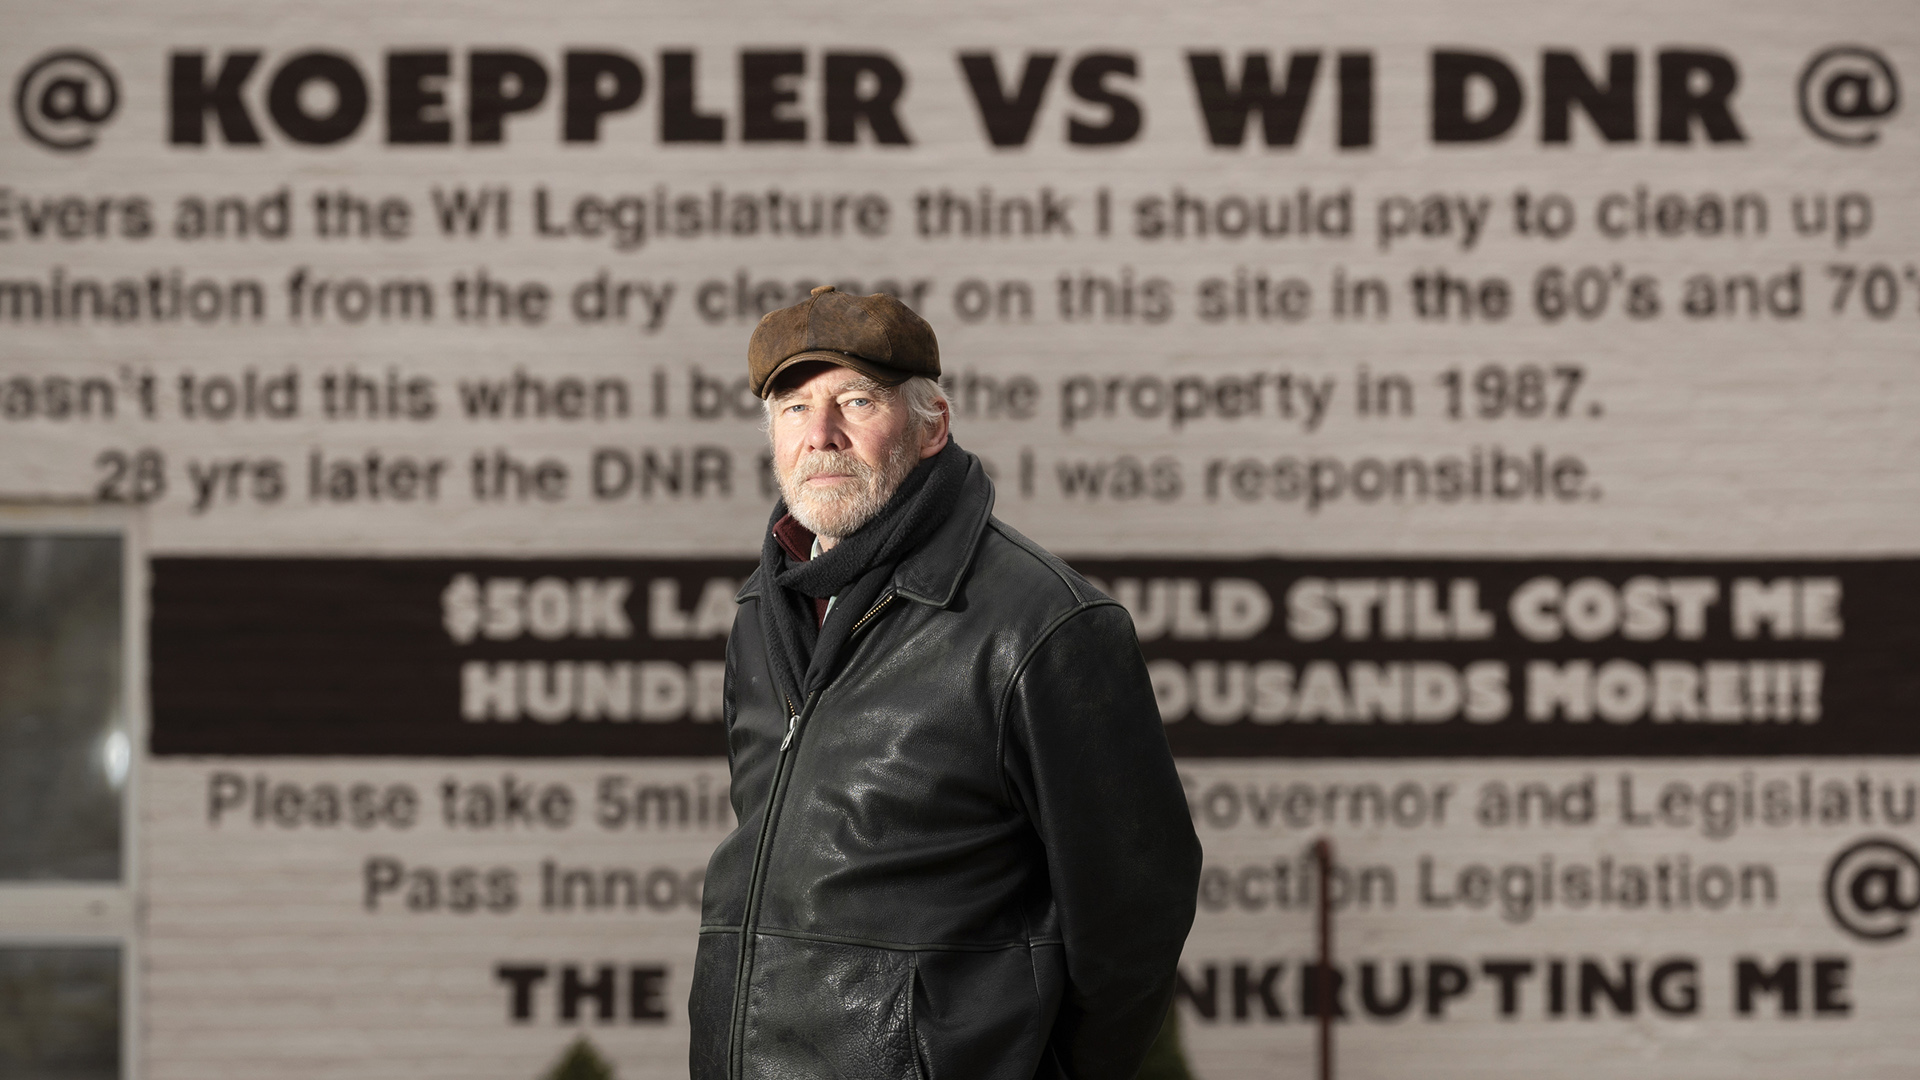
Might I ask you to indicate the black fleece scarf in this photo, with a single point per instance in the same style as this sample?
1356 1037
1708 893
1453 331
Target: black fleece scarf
857 570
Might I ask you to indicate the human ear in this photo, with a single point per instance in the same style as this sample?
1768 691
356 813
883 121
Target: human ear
933 438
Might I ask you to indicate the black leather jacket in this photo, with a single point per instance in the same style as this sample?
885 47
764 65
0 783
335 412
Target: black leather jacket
973 860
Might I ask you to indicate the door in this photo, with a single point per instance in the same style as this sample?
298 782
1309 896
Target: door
70 711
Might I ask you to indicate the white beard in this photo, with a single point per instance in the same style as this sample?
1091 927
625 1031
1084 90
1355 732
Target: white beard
833 514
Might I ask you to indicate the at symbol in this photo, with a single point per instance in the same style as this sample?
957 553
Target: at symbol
1845 94
63 98
1873 888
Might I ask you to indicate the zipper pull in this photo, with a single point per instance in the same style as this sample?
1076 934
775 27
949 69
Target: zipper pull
792 723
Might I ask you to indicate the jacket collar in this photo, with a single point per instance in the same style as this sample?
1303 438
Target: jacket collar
931 574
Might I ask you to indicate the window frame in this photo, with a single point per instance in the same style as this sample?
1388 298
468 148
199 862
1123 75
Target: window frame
54 914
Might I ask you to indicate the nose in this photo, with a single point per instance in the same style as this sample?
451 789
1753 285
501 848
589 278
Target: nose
824 430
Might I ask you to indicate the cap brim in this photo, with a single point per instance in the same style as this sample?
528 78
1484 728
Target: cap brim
880 373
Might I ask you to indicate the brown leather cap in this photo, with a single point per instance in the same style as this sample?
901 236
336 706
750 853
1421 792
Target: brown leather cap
876 335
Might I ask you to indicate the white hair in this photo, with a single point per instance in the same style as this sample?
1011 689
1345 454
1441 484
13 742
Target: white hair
922 397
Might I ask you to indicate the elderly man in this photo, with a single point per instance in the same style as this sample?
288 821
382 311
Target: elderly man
963 851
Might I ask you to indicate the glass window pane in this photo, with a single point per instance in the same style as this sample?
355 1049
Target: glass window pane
63 738
60 1012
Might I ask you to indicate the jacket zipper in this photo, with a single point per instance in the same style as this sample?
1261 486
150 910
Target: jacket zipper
736 1065
871 612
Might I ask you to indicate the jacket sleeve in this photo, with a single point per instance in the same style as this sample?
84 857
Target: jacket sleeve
1086 755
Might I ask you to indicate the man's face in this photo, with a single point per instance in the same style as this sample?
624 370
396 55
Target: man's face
842 445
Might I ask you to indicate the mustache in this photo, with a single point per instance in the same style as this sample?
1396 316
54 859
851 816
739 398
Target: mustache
826 462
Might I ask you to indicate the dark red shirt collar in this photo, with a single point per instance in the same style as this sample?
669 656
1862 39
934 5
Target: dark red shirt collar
795 538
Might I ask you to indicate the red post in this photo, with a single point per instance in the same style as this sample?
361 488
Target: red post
1323 978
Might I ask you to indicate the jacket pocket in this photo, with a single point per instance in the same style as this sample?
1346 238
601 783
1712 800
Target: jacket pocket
916 996
982 1015
822 1008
